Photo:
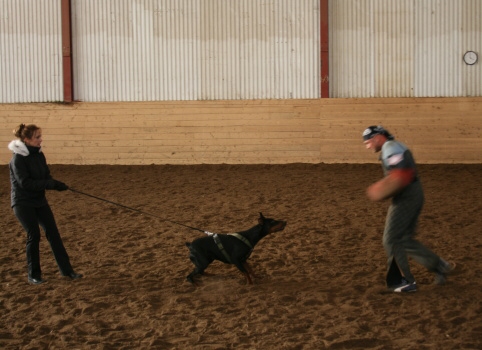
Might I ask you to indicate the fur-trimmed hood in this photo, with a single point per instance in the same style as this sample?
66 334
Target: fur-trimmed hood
18 147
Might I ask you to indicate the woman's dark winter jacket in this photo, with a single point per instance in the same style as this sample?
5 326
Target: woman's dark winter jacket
29 175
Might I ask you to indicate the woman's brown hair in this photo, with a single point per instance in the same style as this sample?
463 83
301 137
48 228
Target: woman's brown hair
25 131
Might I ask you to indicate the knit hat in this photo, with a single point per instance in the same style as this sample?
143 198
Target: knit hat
376 130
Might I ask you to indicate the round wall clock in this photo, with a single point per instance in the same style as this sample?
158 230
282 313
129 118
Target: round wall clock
470 57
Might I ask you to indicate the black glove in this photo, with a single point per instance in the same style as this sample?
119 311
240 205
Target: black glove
56 185
60 186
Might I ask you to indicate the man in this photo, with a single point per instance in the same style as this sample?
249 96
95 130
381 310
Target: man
401 183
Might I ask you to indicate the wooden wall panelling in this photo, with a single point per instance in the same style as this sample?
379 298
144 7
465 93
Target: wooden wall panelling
438 130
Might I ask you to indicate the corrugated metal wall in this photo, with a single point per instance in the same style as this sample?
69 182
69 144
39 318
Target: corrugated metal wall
404 48
444 31
150 50
30 51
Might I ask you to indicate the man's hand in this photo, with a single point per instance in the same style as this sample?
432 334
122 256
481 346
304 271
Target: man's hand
391 184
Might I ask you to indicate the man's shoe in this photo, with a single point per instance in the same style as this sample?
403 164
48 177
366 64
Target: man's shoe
32 280
405 286
74 276
442 271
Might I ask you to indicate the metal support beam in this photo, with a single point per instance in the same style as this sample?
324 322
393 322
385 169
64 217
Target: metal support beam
324 49
67 50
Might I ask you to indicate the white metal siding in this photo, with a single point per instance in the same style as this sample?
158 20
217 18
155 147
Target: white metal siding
445 30
404 48
195 50
30 51
142 50
471 40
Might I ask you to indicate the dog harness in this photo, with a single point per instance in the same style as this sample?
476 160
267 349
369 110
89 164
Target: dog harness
217 240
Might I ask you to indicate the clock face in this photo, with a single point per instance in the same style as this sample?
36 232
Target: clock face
470 57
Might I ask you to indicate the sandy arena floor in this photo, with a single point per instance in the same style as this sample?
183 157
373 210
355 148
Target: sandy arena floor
321 280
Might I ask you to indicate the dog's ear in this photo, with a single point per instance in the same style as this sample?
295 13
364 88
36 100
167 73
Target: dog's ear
261 218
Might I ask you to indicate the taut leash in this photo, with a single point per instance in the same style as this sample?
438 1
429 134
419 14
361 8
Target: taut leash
139 211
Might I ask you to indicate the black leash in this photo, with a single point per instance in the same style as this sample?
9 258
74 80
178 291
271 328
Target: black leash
137 210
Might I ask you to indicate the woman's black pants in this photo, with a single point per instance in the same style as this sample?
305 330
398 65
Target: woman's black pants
31 218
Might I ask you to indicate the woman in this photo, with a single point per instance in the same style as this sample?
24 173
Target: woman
29 178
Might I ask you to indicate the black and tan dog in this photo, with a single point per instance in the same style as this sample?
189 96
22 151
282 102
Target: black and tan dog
233 248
